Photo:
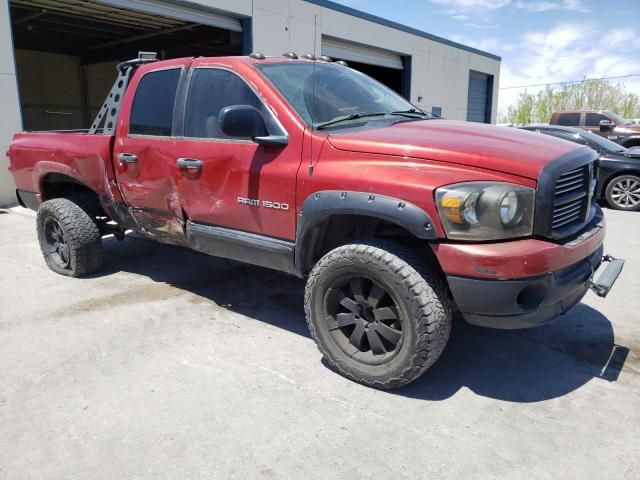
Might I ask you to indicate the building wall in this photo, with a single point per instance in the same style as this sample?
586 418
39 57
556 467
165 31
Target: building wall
439 72
11 117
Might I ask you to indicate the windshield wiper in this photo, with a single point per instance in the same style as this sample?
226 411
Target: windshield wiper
353 116
412 112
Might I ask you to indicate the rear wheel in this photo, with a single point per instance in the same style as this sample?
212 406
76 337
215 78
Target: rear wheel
69 238
623 193
379 314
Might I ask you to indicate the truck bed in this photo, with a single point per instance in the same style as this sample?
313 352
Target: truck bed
79 155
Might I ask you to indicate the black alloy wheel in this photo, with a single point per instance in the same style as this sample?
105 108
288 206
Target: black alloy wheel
69 238
364 319
56 243
379 311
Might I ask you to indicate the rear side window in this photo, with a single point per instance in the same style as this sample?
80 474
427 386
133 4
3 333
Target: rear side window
569 119
152 111
210 90
593 119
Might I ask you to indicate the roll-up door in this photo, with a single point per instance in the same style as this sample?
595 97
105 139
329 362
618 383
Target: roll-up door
479 97
354 52
202 17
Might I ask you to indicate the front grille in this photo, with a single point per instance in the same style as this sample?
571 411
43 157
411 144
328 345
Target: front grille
571 198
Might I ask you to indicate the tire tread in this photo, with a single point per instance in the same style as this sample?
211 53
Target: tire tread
428 299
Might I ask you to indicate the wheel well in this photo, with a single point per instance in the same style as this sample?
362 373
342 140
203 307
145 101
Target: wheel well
341 229
58 185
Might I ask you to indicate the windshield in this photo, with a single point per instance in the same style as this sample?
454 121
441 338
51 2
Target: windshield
335 92
602 142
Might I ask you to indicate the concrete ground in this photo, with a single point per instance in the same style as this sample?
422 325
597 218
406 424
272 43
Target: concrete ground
175 365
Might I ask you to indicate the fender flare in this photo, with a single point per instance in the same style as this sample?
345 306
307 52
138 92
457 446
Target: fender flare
326 203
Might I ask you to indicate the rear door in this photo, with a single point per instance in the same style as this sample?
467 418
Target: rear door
144 152
229 182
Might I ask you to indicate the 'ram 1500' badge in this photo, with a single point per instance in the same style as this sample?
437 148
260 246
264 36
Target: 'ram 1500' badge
254 202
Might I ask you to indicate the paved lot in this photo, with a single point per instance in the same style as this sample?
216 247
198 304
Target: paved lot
175 365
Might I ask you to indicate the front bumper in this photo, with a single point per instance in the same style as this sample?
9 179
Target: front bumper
526 302
523 283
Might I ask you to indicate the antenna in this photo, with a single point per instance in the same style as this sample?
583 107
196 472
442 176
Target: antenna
313 88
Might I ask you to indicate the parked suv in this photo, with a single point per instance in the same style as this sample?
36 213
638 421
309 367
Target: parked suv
607 124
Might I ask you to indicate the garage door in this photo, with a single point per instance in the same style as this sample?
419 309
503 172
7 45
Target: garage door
202 17
353 52
478 100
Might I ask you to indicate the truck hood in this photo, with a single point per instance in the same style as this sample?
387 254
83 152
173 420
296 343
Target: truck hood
502 149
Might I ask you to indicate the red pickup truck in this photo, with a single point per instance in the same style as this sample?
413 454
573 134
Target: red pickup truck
396 218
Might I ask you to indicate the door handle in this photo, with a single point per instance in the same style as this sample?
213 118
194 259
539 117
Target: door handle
190 163
125 158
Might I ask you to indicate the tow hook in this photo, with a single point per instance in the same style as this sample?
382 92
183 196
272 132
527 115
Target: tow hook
605 281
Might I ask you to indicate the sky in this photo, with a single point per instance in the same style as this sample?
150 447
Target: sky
540 41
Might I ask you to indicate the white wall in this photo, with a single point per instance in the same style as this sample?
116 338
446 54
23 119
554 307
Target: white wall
11 119
440 73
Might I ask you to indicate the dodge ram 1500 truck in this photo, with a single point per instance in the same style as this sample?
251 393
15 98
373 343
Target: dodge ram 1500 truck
395 218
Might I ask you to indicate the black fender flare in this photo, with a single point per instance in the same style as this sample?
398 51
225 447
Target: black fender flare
326 203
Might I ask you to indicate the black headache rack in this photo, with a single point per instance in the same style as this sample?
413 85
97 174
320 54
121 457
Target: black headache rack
105 121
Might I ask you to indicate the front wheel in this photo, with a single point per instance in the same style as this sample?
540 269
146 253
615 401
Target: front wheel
623 193
69 238
379 314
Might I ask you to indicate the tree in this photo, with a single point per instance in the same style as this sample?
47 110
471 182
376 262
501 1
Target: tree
592 94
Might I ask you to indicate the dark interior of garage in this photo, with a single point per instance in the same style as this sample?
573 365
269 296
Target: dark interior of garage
391 77
66 52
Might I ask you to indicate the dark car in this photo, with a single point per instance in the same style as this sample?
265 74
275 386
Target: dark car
604 123
619 172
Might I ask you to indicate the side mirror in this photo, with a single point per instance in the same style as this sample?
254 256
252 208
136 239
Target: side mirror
245 121
242 121
606 125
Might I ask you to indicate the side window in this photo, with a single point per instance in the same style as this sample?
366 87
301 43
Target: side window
593 119
152 110
569 119
210 90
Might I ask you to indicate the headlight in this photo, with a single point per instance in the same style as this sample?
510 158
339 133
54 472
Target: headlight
486 210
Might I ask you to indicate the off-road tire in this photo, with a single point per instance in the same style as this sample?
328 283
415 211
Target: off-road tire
615 183
421 293
81 235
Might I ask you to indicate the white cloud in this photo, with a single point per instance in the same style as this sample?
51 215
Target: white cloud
530 5
546 5
567 52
